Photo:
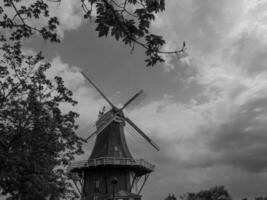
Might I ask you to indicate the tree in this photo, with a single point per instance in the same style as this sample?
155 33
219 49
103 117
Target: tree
214 193
261 198
126 20
171 197
37 138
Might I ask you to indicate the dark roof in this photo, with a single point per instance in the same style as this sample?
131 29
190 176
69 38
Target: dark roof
111 142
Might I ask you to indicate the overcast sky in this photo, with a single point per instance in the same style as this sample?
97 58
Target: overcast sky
207 111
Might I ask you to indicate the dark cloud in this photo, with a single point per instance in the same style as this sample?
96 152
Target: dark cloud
240 141
220 140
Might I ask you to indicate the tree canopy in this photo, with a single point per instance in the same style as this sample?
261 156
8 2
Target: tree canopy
214 193
37 137
170 197
125 20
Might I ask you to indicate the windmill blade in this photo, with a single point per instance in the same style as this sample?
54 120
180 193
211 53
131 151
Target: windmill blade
91 135
141 133
91 130
103 126
131 99
100 92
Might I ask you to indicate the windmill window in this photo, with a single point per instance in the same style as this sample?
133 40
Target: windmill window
97 183
95 197
116 148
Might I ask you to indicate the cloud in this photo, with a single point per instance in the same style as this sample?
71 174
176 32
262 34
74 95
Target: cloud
69 13
89 101
218 135
218 142
200 140
212 133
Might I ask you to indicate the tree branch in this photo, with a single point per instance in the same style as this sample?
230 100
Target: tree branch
134 39
17 12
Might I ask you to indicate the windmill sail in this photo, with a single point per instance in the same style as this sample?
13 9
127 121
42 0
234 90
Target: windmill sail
110 157
131 99
102 124
110 116
141 133
100 92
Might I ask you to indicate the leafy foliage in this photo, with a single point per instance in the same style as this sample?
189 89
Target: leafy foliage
115 18
17 17
37 139
214 193
261 198
125 20
170 197
129 21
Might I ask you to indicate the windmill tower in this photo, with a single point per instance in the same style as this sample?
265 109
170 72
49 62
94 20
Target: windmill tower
111 172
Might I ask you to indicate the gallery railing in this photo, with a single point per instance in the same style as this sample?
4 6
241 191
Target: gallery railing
111 161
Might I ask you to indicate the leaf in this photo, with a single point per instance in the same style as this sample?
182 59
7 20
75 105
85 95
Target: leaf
36 137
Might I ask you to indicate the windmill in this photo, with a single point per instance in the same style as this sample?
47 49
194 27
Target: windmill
111 172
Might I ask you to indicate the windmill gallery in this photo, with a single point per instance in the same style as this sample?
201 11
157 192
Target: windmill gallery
111 172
